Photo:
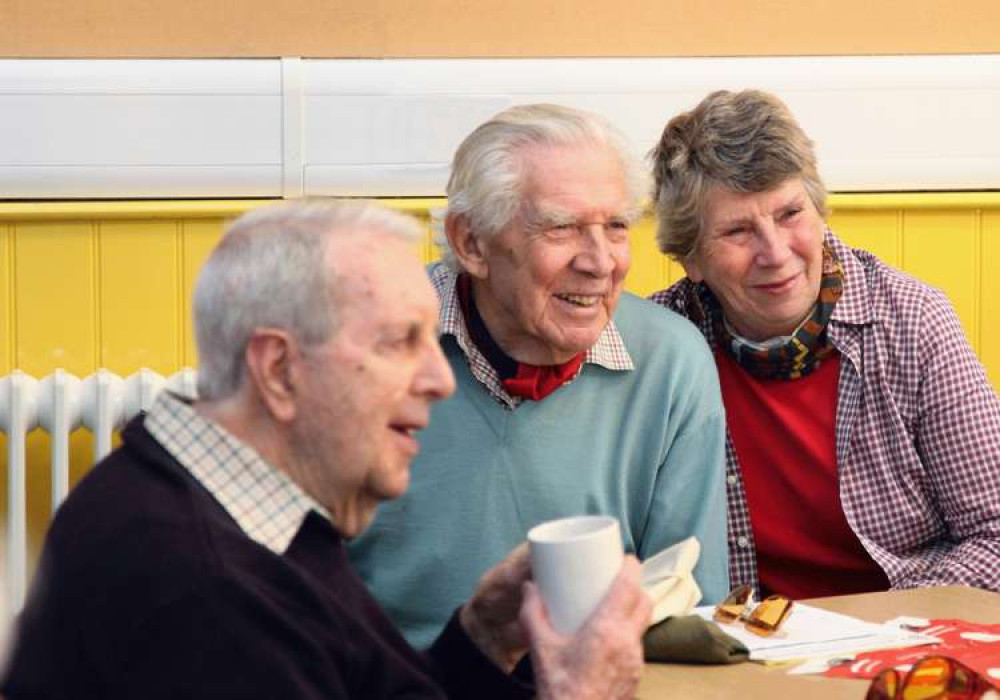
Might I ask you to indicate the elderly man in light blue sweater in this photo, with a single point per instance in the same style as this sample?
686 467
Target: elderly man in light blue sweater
572 396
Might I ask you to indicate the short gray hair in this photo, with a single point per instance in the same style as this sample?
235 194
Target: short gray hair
488 176
270 270
742 141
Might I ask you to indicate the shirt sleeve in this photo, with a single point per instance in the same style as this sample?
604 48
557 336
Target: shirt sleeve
957 436
689 495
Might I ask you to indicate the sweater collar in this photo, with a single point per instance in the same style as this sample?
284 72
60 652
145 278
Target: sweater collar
267 505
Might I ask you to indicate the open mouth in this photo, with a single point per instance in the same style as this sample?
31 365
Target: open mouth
581 300
406 429
407 434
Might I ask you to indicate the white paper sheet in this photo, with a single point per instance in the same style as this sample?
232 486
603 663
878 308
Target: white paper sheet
812 632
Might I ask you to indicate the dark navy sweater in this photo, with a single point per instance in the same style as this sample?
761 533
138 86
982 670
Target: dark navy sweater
147 588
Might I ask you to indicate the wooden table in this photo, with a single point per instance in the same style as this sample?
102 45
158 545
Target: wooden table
751 680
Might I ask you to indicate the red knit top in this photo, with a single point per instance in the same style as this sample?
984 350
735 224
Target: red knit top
784 436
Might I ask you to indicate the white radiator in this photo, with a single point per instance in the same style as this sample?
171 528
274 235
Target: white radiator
59 404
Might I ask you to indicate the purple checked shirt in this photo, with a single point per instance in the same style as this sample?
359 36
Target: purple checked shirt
918 432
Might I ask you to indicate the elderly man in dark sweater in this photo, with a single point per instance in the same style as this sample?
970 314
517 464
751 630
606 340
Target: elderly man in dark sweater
204 557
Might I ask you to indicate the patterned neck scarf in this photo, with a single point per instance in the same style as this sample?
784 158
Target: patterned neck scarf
793 356
533 382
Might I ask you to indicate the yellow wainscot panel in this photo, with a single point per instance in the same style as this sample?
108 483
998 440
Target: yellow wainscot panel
199 237
55 301
675 271
878 232
427 248
55 317
429 211
6 351
942 249
140 296
649 266
6 298
989 308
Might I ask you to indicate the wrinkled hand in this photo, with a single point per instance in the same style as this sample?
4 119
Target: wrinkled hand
490 618
603 660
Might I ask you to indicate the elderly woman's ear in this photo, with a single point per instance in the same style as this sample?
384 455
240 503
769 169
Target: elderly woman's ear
466 246
692 268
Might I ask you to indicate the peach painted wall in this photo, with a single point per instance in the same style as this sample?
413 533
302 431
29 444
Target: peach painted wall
486 28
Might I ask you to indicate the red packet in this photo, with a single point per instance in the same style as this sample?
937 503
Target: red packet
975 645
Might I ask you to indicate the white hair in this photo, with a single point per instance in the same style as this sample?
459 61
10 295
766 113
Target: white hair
270 270
488 176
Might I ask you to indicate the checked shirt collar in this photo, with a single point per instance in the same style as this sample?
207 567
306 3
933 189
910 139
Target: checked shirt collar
267 505
608 352
855 306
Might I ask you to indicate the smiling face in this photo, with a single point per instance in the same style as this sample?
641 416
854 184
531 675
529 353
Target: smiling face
761 254
370 387
548 285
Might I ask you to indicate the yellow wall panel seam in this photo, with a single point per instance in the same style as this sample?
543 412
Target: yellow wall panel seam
427 245
11 309
186 291
900 234
901 237
977 282
181 340
95 238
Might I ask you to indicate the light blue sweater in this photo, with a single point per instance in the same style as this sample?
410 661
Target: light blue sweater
646 446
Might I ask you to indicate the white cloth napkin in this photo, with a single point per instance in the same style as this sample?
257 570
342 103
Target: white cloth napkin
668 580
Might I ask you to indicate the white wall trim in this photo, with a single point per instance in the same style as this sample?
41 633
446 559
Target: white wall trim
292 112
291 127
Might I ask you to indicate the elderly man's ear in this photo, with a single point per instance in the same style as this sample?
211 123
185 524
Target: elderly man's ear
273 364
466 246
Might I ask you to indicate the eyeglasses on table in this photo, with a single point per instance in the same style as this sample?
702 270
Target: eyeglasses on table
932 678
763 619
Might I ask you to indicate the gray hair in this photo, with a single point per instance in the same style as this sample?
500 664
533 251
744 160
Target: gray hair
742 141
488 176
270 270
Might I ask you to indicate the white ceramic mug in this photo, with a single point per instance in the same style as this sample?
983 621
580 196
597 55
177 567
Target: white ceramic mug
574 562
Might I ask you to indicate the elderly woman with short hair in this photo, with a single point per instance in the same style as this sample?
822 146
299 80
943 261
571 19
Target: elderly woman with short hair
863 437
